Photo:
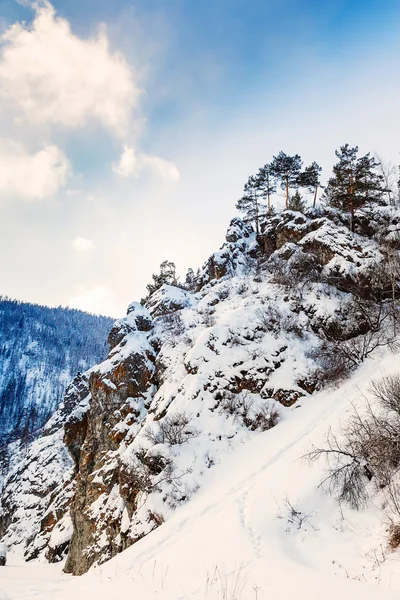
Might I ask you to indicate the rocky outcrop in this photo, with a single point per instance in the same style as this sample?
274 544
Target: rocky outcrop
191 375
240 240
168 299
120 390
37 491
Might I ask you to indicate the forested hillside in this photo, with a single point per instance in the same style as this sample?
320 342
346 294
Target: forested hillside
41 349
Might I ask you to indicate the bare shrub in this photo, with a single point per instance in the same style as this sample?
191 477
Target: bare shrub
367 450
172 430
153 460
241 406
299 268
270 318
394 536
173 328
223 293
139 475
207 316
231 403
241 287
294 516
277 267
266 417
235 339
387 391
338 359
303 267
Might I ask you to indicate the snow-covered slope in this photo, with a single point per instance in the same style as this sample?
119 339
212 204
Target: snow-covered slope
258 525
195 423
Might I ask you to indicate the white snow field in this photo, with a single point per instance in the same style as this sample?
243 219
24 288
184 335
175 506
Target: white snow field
238 537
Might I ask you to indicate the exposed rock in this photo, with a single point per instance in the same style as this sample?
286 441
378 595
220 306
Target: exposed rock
233 255
194 371
37 491
168 299
119 388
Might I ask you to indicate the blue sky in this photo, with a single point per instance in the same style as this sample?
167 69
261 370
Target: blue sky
140 149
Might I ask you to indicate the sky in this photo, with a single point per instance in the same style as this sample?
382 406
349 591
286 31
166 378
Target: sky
128 128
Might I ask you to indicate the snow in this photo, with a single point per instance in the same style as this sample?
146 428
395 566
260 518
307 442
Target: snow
168 298
258 522
257 519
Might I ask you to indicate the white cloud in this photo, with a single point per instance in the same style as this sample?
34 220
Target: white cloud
132 163
81 244
32 176
99 299
53 76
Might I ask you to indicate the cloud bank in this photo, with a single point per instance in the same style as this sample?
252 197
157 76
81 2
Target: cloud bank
31 176
132 163
52 76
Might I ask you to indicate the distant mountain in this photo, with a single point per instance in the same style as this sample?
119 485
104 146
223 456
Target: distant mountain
41 350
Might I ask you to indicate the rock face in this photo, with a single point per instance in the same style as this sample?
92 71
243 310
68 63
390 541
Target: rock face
38 489
240 238
193 374
168 299
120 388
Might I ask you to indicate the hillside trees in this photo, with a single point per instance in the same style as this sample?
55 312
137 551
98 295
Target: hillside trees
166 275
41 348
249 203
287 170
310 179
267 184
355 181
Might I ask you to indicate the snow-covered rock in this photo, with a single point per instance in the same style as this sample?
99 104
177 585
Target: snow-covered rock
168 299
193 376
39 486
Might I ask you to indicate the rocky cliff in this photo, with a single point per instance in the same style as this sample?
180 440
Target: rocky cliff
195 372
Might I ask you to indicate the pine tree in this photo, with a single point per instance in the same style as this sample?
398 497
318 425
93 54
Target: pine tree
286 169
267 184
310 179
370 184
190 279
166 275
296 202
249 203
354 182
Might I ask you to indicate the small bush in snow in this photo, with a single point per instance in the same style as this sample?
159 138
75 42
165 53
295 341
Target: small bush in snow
266 417
296 518
394 537
367 451
262 418
338 358
223 293
241 287
139 475
270 318
172 430
208 316
173 328
300 269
